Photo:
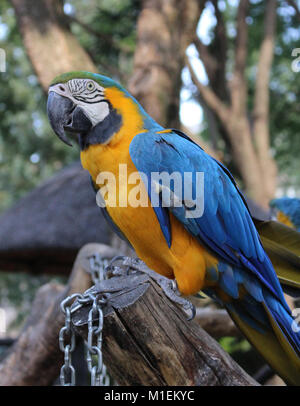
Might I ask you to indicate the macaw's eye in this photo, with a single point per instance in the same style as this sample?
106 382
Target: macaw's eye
90 86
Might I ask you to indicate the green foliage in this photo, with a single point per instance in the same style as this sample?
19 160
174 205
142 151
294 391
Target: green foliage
29 151
106 29
17 291
232 344
243 353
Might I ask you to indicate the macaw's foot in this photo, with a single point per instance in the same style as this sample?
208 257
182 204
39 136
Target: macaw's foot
122 266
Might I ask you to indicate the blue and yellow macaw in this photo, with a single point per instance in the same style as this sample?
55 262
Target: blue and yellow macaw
218 252
287 211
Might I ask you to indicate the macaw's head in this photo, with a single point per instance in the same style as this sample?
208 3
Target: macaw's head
91 106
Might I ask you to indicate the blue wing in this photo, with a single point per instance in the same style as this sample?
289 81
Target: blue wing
225 227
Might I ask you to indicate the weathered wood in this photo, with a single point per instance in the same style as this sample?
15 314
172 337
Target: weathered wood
35 358
147 340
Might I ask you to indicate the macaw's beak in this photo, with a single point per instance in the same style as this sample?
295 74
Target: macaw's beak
65 116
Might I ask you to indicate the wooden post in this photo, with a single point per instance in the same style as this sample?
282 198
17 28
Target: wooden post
147 340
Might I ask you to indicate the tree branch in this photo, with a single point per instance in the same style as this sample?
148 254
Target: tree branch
210 63
216 322
221 50
210 98
295 7
261 99
216 72
102 36
238 84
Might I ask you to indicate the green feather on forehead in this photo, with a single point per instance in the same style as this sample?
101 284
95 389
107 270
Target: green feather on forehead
103 81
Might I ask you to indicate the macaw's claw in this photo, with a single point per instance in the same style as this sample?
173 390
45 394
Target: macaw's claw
169 287
127 265
118 266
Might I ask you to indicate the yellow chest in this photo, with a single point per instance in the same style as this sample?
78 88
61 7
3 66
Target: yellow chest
186 260
125 195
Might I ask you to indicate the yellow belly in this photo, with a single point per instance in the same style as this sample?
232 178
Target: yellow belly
186 259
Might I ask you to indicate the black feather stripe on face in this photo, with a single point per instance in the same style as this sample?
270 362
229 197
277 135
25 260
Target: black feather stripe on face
90 100
103 131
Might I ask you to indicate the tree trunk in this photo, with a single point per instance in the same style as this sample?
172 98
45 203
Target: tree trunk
261 103
245 157
50 45
164 30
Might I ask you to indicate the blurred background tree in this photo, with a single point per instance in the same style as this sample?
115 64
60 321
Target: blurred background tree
222 70
105 31
26 161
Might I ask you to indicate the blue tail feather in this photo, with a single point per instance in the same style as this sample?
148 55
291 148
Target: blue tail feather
257 307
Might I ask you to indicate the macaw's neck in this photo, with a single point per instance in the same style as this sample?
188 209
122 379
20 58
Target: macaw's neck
103 131
107 145
134 117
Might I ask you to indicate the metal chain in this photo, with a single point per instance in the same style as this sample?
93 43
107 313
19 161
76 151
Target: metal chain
94 353
99 376
97 268
97 369
67 372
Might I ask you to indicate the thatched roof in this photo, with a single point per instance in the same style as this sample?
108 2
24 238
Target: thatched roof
45 229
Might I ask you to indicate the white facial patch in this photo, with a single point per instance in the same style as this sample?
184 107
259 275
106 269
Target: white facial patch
87 94
95 112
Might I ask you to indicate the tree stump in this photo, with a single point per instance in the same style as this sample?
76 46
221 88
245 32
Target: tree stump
147 339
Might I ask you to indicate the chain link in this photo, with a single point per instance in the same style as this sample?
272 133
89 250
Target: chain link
67 343
67 346
94 353
97 268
